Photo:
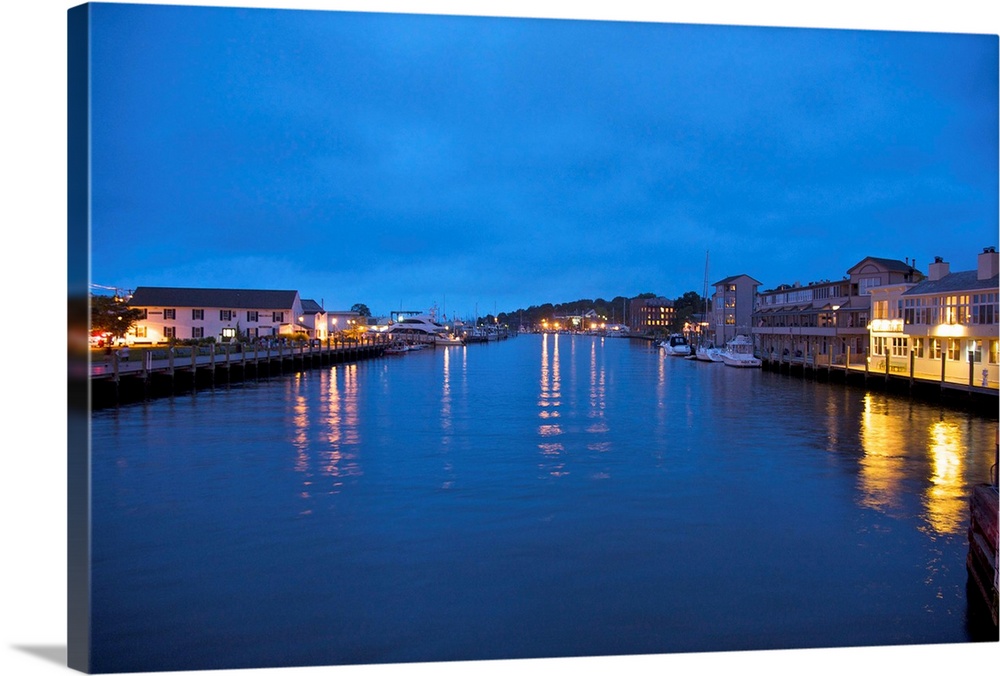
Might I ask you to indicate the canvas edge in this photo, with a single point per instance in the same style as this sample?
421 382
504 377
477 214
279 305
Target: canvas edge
78 385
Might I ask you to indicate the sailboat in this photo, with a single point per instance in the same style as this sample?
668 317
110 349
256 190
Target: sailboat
707 353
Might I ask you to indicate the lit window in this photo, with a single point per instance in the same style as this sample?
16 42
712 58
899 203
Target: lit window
954 349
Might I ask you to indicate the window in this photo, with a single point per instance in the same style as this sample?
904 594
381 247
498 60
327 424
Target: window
984 308
228 333
975 350
226 315
169 313
899 347
880 309
253 333
935 348
169 331
879 345
198 331
866 285
278 317
994 351
954 349
251 315
140 332
198 315
918 347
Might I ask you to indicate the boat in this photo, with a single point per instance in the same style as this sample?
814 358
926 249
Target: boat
708 353
397 347
423 329
676 345
739 353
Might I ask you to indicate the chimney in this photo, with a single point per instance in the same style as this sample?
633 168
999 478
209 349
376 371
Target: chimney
989 266
937 269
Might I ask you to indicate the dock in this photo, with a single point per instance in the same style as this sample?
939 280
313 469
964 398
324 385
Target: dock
887 375
177 370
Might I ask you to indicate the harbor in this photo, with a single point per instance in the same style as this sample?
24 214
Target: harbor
589 491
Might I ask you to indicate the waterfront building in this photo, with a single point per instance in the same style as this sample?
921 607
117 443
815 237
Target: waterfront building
192 313
732 307
650 315
313 318
825 321
948 322
338 321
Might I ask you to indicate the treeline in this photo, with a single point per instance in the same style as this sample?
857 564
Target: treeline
612 311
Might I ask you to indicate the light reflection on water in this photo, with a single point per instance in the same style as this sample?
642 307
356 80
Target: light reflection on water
543 496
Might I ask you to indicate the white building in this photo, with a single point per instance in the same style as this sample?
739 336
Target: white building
313 317
950 320
189 313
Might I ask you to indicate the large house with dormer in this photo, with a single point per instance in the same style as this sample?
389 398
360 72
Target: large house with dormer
190 313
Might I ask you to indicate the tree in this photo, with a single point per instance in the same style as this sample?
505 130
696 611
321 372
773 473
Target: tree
361 309
111 314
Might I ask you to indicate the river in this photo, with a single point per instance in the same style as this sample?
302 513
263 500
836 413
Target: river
547 495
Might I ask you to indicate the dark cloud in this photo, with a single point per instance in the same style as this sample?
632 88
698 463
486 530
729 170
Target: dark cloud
527 160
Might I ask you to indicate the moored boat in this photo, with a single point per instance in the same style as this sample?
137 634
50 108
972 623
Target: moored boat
676 345
423 329
708 353
739 353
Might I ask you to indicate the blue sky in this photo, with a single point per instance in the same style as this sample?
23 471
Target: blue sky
480 163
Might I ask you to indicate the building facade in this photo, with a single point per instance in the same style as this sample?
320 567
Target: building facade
732 307
826 321
190 313
947 324
650 315
313 318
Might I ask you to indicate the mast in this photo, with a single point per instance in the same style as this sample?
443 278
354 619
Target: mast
705 293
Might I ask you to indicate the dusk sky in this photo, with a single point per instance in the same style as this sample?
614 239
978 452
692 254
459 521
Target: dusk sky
495 163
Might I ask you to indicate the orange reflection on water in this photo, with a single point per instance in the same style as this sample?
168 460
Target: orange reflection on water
548 398
883 465
890 459
946 499
341 428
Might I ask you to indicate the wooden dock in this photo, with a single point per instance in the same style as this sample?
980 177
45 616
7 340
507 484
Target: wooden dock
887 376
984 549
168 371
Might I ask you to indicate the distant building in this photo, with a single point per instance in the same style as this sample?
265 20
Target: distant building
827 320
344 320
949 321
186 313
650 315
732 308
313 318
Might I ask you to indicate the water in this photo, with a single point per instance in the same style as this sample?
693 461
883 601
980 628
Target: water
541 496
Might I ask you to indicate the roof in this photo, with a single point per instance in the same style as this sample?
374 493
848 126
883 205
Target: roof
163 296
967 280
891 264
311 307
727 280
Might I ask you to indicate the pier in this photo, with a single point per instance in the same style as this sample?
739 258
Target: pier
879 373
984 545
177 370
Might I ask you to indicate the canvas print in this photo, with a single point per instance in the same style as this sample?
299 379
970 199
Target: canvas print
412 338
